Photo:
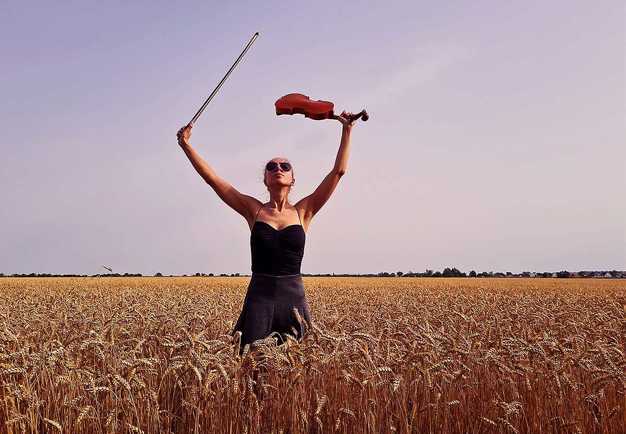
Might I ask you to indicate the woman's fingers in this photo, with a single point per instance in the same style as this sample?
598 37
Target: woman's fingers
183 134
184 130
347 117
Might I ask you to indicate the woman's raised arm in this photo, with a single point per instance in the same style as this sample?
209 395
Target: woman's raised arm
242 203
312 203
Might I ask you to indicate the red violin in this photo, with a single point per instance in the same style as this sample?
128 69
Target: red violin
297 103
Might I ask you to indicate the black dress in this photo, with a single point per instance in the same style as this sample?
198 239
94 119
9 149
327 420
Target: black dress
276 286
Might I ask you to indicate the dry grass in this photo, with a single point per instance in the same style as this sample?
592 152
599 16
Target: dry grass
152 355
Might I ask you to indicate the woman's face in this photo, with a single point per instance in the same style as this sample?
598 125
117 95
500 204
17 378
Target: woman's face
279 177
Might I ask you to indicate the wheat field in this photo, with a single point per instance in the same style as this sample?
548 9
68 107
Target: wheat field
383 355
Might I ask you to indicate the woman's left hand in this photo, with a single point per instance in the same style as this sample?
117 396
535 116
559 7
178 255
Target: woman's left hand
344 118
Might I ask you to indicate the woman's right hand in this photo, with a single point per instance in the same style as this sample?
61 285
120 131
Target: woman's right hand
184 134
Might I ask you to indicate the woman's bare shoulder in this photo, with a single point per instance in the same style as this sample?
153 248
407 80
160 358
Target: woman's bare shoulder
253 205
305 219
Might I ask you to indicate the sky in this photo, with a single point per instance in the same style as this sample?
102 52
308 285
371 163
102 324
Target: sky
496 139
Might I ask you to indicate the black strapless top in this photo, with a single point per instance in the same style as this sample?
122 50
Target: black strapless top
276 251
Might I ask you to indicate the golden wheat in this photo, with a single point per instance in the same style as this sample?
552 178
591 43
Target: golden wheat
381 355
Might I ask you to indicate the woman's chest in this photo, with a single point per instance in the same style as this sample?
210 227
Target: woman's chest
264 237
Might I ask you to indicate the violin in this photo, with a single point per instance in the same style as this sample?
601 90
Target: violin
298 103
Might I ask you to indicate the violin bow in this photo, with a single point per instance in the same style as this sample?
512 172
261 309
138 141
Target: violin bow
199 112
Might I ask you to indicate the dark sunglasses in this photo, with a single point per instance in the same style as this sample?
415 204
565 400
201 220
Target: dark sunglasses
272 166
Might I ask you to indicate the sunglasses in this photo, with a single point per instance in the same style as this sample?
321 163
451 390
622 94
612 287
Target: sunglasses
272 166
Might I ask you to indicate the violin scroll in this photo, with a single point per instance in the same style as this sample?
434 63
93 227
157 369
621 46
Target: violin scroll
362 114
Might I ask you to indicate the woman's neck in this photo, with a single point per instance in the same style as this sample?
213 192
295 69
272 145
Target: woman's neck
279 200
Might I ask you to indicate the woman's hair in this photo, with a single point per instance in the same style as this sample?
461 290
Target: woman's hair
293 174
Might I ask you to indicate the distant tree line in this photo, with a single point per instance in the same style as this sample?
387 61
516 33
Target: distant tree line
446 272
71 275
454 272
116 275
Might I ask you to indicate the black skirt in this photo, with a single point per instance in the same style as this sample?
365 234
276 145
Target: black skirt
268 307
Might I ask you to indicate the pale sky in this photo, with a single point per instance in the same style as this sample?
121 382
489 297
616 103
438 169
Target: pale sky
496 141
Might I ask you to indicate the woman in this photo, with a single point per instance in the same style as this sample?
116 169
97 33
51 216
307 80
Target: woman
277 237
